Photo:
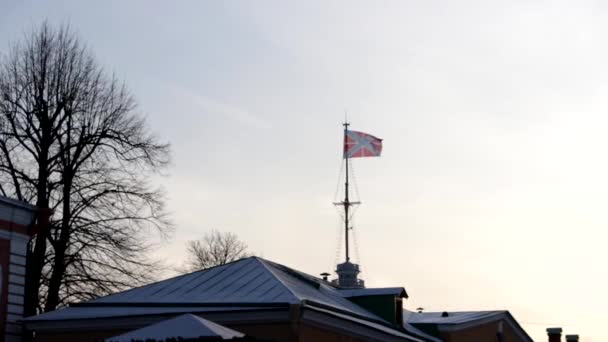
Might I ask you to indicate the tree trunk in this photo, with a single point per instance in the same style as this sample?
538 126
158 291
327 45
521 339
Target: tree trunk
52 299
35 258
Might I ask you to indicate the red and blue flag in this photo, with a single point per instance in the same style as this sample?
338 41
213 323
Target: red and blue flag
359 144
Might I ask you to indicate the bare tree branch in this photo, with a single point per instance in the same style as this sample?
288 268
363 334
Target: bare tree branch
215 248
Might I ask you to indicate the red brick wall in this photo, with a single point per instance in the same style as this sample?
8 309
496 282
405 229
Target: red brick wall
5 250
314 334
279 332
485 332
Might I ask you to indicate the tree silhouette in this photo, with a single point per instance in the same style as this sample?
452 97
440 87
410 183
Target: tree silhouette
71 141
214 249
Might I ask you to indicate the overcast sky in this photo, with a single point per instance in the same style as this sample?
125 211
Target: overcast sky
492 189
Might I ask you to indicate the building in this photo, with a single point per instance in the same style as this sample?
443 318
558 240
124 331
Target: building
469 325
254 296
15 221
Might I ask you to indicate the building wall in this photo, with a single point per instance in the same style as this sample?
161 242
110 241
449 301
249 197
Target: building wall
279 332
485 332
271 332
14 220
83 336
309 333
388 307
5 248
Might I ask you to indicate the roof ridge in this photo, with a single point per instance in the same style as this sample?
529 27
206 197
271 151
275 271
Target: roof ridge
268 268
318 282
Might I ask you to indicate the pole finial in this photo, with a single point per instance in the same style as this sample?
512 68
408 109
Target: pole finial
345 124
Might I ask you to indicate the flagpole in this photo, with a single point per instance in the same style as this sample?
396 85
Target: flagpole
346 199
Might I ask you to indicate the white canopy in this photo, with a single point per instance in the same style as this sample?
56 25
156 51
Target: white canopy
186 326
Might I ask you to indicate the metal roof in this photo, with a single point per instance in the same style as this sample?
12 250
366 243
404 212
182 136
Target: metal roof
249 281
458 317
457 320
378 291
243 281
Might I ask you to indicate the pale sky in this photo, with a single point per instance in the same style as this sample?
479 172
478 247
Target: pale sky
491 192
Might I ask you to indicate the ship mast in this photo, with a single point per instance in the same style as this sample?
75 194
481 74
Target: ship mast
355 145
347 271
346 203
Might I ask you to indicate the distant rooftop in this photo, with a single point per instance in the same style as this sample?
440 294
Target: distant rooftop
453 317
457 320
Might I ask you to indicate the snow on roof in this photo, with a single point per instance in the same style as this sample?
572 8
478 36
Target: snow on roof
379 291
453 317
186 326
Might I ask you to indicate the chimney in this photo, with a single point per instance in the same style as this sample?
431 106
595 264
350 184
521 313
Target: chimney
555 334
571 338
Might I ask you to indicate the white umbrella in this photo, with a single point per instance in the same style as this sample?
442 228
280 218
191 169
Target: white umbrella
185 326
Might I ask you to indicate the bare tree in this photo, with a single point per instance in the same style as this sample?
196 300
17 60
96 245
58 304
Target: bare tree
214 249
70 140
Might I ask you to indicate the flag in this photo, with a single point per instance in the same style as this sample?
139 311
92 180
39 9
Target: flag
359 144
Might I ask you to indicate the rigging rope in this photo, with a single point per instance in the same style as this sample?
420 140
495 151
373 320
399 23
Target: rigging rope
340 236
351 215
339 181
356 192
340 232
338 187
356 245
